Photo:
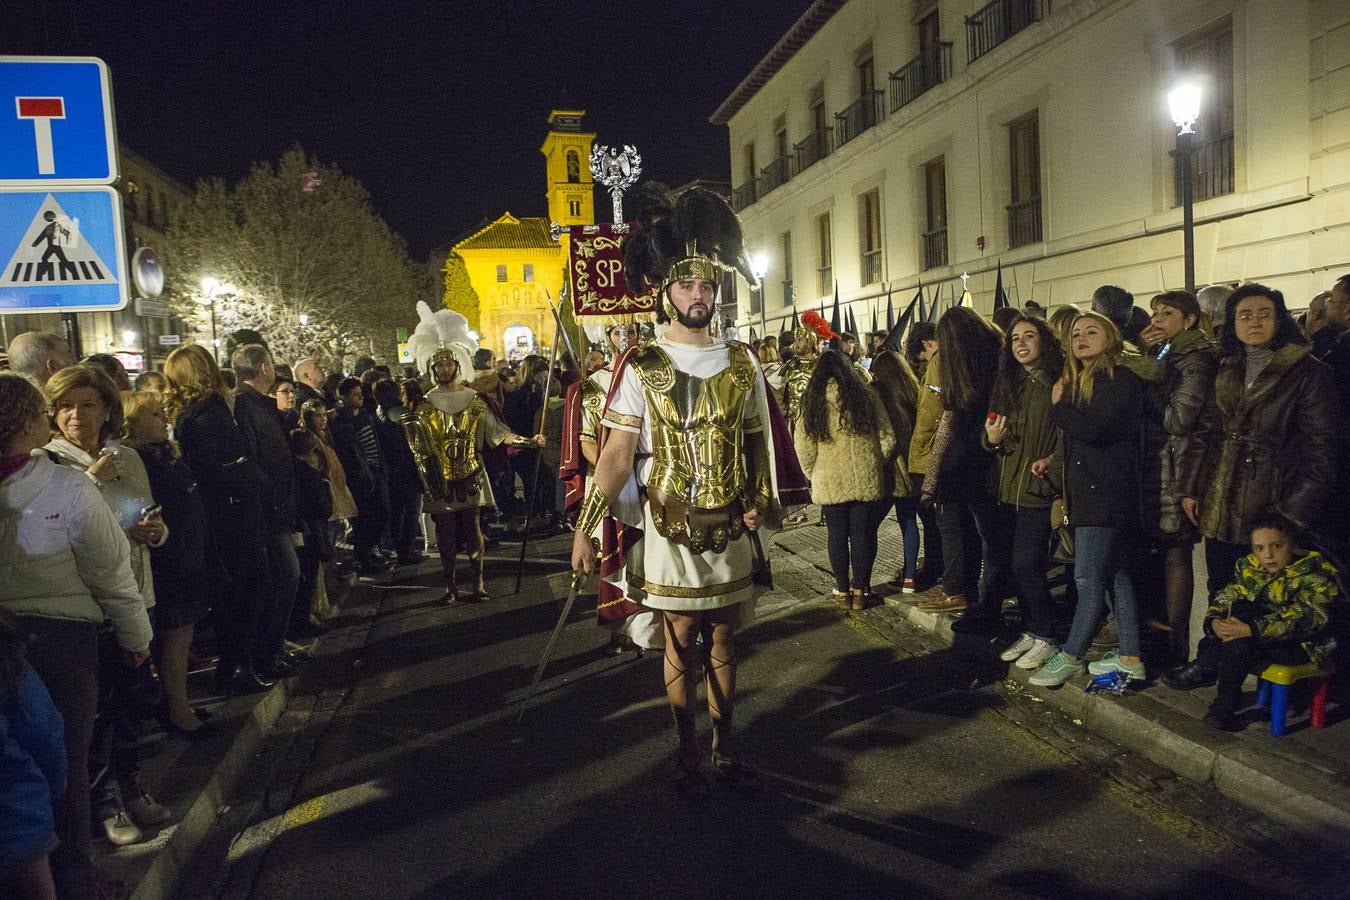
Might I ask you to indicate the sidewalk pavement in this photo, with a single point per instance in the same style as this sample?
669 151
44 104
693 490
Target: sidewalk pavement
1301 780
194 780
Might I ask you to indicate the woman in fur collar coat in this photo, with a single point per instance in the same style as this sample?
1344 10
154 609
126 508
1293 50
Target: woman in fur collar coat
1267 441
844 439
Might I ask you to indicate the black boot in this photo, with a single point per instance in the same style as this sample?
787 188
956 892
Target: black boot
1190 676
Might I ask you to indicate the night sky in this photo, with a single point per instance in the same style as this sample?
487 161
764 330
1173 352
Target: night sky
438 108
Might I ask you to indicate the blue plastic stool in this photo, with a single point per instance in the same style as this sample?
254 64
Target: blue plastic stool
1272 688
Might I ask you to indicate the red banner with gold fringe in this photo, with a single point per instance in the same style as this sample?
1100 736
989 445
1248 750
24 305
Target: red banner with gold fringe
595 274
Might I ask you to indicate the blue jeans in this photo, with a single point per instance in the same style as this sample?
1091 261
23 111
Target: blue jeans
1101 562
906 514
283 581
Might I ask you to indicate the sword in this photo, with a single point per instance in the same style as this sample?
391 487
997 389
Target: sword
578 578
760 573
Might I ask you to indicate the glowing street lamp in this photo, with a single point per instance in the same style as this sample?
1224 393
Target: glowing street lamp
759 265
214 288
1183 102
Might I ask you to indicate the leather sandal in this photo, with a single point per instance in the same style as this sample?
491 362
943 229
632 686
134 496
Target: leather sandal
688 780
735 774
841 599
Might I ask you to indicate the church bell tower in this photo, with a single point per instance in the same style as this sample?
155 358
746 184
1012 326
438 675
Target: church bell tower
567 151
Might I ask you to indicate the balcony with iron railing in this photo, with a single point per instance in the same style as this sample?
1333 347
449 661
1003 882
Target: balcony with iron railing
773 175
921 74
995 22
1212 168
858 116
744 195
811 150
935 248
871 266
1024 222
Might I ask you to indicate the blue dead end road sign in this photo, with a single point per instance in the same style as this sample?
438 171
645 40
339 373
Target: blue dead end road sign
62 250
56 122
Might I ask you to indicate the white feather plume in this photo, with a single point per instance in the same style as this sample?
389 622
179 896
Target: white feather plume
442 329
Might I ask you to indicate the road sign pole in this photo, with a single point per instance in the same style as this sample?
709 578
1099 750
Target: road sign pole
71 324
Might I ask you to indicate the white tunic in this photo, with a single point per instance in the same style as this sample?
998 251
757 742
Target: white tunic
661 574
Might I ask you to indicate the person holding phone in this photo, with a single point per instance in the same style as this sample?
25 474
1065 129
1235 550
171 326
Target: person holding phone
67 571
86 410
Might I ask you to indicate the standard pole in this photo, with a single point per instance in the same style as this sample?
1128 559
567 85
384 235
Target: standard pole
533 499
763 314
215 338
1187 209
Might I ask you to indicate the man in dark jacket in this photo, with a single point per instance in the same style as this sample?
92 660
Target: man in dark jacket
361 452
265 441
405 484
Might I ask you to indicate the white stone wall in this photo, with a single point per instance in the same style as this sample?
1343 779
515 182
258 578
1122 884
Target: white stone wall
1097 73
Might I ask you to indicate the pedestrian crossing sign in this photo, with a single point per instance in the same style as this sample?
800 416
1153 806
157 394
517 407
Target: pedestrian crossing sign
64 251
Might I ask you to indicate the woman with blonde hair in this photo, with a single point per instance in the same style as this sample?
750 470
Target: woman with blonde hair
1098 405
231 484
86 410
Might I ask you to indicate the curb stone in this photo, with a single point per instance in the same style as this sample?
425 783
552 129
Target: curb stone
171 862
1304 797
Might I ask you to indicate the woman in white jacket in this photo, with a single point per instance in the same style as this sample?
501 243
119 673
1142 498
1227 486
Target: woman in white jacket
86 409
64 569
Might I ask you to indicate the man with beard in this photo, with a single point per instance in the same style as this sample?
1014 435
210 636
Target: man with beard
447 435
686 471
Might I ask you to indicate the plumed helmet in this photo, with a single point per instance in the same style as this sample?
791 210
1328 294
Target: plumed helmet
691 234
443 334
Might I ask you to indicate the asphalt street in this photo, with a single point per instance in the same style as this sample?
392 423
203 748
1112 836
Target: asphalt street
400 771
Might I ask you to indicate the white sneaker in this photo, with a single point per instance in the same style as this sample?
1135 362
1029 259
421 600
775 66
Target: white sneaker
1035 657
1022 645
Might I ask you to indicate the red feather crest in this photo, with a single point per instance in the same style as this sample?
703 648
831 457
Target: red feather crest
816 322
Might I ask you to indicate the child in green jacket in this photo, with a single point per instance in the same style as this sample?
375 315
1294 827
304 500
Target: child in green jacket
1277 610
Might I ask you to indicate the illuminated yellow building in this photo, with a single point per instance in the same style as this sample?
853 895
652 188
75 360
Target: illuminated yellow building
513 264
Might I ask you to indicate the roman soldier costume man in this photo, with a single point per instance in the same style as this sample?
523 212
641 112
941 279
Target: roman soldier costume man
688 476
447 435
796 372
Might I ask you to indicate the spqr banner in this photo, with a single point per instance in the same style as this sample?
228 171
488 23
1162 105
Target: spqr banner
595 274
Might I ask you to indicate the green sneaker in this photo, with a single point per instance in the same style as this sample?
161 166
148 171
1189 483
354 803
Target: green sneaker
1112 662
1057 671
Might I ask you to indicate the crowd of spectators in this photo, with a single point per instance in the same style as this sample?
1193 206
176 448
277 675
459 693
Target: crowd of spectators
1110 440
192 518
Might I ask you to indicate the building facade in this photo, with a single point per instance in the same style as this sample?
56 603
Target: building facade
886 144
514 264
152 201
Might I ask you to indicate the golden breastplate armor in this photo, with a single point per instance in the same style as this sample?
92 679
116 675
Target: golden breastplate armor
796 373
592 405
698 477
445 445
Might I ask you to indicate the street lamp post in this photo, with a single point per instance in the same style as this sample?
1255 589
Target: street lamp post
1183 102
214 288
759 264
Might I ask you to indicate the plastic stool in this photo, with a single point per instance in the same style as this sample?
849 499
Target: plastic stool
1272 688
